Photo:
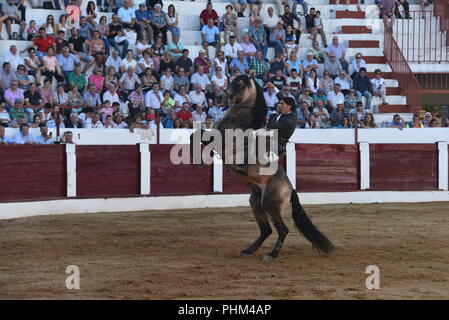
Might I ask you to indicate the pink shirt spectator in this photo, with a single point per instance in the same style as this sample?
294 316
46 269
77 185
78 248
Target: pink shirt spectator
97 80
13 95
74 11
46 95
50 63
105 112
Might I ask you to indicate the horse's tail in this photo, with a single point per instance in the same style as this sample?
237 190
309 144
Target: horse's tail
307 228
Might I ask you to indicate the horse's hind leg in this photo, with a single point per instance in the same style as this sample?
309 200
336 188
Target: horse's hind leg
276 197
262 220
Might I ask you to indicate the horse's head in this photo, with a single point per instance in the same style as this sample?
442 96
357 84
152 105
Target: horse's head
242 91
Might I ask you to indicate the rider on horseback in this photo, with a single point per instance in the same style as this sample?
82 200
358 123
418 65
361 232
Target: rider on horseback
285 122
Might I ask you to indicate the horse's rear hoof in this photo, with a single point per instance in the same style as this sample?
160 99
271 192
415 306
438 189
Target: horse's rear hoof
267 258
244 253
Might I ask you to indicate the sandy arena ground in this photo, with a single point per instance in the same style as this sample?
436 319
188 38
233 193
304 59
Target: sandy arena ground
187 254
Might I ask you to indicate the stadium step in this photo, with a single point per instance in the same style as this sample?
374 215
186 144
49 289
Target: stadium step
364 43
343 2
387 108
375 59
356 29
350 14
394 91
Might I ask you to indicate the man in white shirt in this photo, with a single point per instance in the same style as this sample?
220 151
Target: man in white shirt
13 58
200 78
199 116
95 123
197 96
344 81
111 95
114 61
154 98
379 86
270 95
181 97
231 49
270 20
334 96
127 17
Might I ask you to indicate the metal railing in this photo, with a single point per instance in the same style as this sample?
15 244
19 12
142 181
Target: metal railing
410 87
433 83
423 37
441 9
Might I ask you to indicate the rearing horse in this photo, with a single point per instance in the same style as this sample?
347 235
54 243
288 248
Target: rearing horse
270 193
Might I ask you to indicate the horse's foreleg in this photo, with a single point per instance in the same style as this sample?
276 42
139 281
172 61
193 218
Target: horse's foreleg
276 197
262 220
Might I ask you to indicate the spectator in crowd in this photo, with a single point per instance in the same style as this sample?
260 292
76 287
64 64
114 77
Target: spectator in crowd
22 77
318 28
128 81
368 121
32 100
76 45
210 36
387 8
95 123
209 124
75 99
10 10
50 26
142 45
308 65
159 23
127 16
62 24
339 50
175 48
344 81
3 138
427 118
406 7
218 79
313 122
433 123
333 66
270 95
358 63
154 98
259 66
334 97
13 94
321 114
326 83
168 122
337 115
240 63
67 61
258 37
278 80
363 86
77 78
116 36
269 21
229 20
44 137
290 42
143 18
231 49
185 62
320 95
13 57
181 97
167 81
51 66
185 115
166 63
148 79
85 28
351 99
397 122
313 82
318 54
91 98
97 79
202 61
97 49
379 86
60 41
415 123
198 115
172 21
310 19
31 31
240 6
197 96
288 18
23 136
136 100
295 82
61 97
201 78
303 115
42 43
128 61
111 94
220 62
180 80
33 65
145 63
277 38
209 13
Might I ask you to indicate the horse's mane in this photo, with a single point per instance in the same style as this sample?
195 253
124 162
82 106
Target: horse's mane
260 111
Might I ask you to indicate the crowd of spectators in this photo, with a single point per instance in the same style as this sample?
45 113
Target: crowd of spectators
160 81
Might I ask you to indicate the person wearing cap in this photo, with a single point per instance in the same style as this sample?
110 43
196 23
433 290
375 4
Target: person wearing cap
277 37
363 86
335 96
338 114
258 37
308 64
270 95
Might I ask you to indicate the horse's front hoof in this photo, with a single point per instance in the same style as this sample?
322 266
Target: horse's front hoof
244 253
267 258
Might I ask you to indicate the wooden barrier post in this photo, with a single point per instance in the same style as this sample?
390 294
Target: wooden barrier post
217 174
443 164
70 150
291 163
364 166
145 168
